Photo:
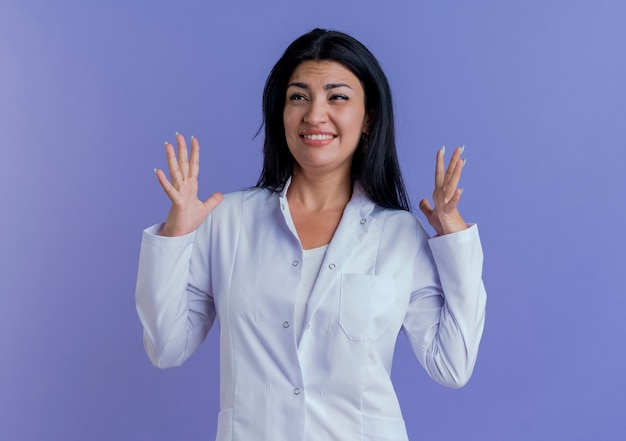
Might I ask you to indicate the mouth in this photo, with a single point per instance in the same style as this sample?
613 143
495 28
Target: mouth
317 136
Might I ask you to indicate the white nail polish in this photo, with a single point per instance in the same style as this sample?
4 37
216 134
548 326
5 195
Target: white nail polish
443 149
464 161
177 134
462 149
154 170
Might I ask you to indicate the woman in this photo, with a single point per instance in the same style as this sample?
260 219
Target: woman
313 273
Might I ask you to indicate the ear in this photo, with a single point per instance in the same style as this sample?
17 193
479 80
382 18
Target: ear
367 121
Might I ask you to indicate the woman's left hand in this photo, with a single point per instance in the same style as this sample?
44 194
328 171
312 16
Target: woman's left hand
445 217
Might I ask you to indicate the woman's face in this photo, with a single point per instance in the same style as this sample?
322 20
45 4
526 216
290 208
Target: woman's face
324 116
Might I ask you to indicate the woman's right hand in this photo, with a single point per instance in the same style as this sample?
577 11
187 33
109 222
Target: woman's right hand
187 211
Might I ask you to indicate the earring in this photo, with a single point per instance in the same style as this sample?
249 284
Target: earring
364 140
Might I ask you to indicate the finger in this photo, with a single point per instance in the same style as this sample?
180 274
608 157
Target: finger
194 160
439 170
213 201
425 207
172 164
453 174
456 156
183 159
429 212
455 177
165 183
452 186
454 201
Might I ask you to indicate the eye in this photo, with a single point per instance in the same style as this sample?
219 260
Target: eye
297 97
339 97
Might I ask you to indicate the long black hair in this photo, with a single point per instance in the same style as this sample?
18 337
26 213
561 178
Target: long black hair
375 162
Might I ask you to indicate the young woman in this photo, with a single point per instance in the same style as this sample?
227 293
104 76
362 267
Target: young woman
313 273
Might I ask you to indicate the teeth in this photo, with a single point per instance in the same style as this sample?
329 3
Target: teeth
318 137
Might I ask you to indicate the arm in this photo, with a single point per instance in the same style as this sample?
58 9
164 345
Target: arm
446 314
447 308
173 297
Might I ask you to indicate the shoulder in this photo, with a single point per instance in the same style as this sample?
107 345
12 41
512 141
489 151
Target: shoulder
238 208
248 194
400 225
394 222
248 200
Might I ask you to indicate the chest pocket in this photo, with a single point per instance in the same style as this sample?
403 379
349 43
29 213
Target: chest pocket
366 305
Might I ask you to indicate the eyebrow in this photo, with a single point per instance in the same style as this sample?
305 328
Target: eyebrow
328 86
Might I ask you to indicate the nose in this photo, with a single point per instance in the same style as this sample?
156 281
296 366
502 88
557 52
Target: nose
317 113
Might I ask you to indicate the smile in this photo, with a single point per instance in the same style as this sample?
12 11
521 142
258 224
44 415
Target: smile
317 137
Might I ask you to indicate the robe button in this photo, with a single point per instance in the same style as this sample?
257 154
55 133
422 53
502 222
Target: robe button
363 221
331 266
286 325
296 391
295 263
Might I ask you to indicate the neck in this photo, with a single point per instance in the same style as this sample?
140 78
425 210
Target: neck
319 193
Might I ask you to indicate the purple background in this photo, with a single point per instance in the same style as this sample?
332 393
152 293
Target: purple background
90 90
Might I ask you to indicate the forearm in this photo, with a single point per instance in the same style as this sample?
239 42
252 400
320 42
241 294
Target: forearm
171 311
451 356
448 327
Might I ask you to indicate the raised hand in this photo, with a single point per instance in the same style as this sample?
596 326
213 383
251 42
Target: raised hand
445 217
187 211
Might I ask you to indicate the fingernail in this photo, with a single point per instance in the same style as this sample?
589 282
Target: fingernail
462 189
192 137
166 143
154 170
464 161
443 149
177 133
462 149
